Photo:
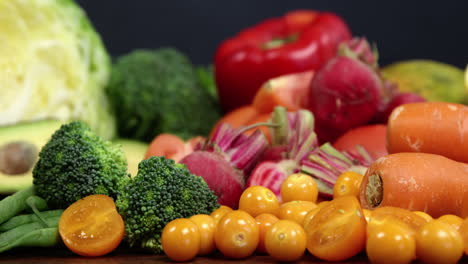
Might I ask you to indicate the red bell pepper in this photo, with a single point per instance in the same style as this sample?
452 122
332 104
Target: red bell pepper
301 40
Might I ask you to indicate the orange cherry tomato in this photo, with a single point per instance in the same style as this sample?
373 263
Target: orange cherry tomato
452 220
424 215
285 241
391 243
220 212
439 242
207 226
338 231
264 222
180 239
237 235
257 200
348 183
299 187
413 220
92 226
295 210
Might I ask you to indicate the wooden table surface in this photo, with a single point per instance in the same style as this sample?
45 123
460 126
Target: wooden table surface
55 256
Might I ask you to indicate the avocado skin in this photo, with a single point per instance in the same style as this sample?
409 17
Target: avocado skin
36 133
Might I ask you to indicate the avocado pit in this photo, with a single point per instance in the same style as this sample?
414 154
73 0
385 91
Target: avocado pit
17 157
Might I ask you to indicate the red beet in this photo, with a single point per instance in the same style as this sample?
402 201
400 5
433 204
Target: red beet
346 92
225 161
227 182
292 139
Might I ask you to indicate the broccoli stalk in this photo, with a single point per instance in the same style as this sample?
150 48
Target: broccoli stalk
76 163
161 192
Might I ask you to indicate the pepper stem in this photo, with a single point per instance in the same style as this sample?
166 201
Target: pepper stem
278 42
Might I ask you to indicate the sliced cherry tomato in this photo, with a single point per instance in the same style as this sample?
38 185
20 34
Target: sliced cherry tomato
180 239
257 200
413 220
452 220
295 210
348 183
392 243
264 222
439 242
299 187
92 226
220 212
207 226
311 214
338 231
237 235
285 241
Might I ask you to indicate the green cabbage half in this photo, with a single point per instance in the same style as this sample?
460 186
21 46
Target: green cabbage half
53 65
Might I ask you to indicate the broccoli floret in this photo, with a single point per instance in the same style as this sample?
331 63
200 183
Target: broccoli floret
75 163
159 91
161 192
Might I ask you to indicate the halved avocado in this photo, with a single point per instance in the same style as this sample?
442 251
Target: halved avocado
35 133
134 151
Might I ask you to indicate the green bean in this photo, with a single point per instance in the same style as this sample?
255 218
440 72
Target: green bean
11 236
14 204
43 237
36 203
18 220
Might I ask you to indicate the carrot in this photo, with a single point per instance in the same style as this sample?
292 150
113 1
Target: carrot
417 182
170 146
431 127
289 91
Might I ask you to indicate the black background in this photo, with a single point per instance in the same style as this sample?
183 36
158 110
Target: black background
402 30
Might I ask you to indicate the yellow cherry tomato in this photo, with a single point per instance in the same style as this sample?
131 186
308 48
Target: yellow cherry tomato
392 243
285 241
452 220
348 183
220 212
424 215
257 200
264 222
299 187
439 242
180 239
464 233
237 235
207 226
367 214
410 218
295 210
